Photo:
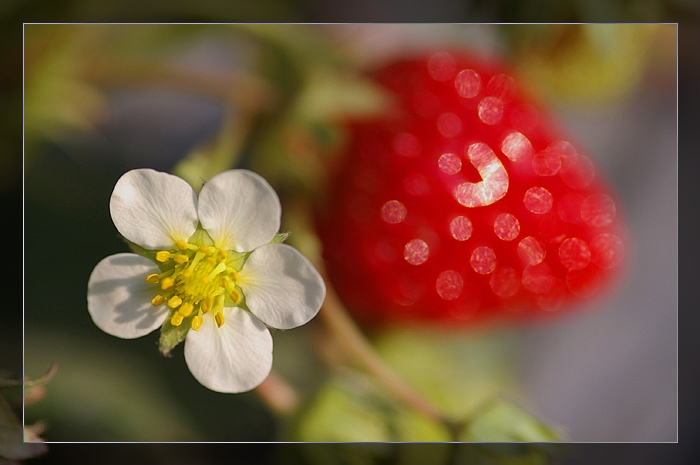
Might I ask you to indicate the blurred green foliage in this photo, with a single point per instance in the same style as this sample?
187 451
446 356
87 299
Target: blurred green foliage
469 376
586 64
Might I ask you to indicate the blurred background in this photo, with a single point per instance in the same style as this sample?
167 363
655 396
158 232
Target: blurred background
102 99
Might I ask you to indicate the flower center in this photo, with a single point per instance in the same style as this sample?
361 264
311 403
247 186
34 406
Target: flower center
195 279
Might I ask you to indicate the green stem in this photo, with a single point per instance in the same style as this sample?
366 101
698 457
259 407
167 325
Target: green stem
349 337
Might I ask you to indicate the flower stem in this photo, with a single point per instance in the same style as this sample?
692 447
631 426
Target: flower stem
349 337
277 394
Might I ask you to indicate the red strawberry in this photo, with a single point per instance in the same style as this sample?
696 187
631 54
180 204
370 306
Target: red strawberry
465 202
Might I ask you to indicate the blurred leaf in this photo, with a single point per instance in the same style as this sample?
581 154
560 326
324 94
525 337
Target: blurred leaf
349 408
319 87
584 64
503 421
301 43
346 412
465 375
57 98
456 371
330 94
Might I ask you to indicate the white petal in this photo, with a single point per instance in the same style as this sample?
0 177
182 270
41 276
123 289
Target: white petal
239 210
233 358
119 299
153 209
281 286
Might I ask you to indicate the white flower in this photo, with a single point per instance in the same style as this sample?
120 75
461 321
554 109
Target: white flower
208 263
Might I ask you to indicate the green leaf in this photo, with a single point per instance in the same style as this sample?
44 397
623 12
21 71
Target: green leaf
352 407
465 375
458 372
330 94
504 421
348 408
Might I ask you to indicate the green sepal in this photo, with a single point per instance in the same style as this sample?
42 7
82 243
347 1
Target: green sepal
280 238
171 336
201 237
149 254
138 250
236 260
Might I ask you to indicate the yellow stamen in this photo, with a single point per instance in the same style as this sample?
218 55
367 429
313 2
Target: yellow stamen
176 320
193 263
167 283
186 309
219 268
235 296
207 303
197 281
175 301
219 317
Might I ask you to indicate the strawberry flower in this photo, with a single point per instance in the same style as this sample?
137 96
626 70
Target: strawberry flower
208 265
